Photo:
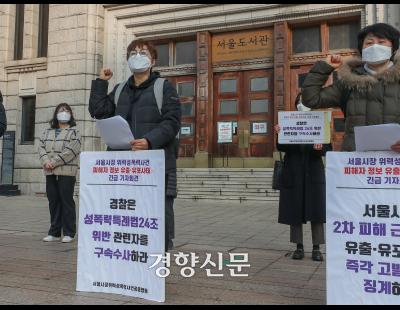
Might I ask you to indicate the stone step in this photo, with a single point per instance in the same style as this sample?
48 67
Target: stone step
228 189
225 178
233 183
240 198
223 184
9 190
225 169
223 172
194 175
228 193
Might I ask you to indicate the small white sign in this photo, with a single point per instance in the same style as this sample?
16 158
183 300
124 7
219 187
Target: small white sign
186 130
304 127
260 127
224 132
234 127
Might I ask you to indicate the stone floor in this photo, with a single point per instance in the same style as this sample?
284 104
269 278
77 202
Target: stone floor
35 272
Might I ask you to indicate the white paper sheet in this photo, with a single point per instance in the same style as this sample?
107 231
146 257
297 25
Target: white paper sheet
115 132
376 137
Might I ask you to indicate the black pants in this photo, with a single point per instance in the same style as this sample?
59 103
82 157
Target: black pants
169 222
60 192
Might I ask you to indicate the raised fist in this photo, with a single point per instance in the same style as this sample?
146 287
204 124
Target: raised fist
334 60
106 74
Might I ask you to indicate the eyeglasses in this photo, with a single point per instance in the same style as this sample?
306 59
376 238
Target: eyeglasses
141 53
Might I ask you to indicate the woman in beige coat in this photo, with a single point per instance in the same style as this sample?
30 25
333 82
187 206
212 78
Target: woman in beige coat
59 149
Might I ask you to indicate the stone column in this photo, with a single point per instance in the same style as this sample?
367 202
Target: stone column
281 70
393 14
204 106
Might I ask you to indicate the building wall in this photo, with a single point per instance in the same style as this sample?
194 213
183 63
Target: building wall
75 45
159 21
86 37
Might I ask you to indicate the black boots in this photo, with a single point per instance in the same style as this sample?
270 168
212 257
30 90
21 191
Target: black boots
316 254
299 253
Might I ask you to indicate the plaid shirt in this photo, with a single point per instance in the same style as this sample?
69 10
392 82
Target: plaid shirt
62 151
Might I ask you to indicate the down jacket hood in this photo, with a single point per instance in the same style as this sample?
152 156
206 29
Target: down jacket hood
354 76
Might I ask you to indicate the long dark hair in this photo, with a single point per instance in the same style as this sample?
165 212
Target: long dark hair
54 121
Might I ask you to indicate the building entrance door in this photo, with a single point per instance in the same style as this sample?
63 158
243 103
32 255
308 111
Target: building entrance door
186 89
246 99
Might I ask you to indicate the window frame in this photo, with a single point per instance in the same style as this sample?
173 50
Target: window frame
169 53
23 121
175 52
268 106
228 79
19 31
324 32
172 50
43 31
228 99
340 23
186 82
259 90
193 108
311 25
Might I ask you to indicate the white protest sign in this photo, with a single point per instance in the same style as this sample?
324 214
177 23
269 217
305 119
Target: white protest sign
121 223
363 228
304 127
224 132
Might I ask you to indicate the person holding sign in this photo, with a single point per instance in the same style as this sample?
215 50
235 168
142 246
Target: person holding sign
367 89
3 119
154 120
302 191
59 148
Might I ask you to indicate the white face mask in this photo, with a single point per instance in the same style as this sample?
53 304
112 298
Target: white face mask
63 117
302 108
376 54
139 63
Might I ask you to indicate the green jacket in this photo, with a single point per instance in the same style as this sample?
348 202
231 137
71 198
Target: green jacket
364 99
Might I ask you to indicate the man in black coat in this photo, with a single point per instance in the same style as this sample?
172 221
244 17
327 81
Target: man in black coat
3 119
137 104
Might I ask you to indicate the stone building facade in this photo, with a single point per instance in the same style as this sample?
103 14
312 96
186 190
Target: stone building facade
230 62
